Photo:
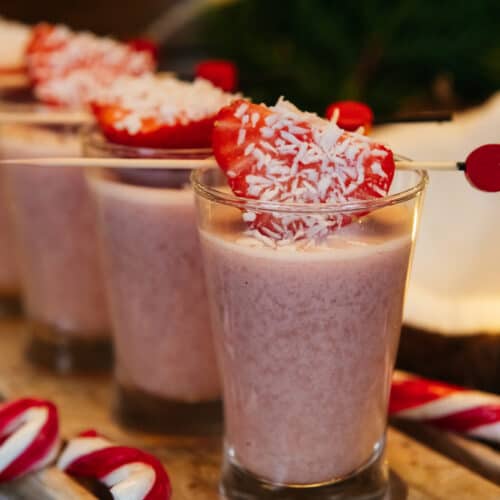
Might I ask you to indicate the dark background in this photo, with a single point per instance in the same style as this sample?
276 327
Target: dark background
406 55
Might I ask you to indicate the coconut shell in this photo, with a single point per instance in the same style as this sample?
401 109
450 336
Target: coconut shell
468 360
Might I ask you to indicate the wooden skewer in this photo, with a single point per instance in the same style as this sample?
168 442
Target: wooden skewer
149 163
482 167
45 117
10 81
187 164
429 165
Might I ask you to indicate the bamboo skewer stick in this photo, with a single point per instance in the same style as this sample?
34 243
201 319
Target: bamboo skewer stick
135 163
187 164
44 117
429 165
482 166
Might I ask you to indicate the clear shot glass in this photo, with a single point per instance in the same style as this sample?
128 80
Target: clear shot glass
306 334
166 374
54 227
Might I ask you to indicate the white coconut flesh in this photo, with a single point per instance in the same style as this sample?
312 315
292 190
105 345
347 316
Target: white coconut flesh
455 282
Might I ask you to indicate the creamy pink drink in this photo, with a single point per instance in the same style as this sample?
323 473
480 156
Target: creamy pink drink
153 268
52 212
306 260
54 225
317 329
166 373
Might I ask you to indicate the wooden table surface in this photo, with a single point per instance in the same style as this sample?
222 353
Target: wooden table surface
193 463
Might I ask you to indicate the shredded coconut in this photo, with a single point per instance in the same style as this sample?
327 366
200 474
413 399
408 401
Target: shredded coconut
71 67
303 158
167 100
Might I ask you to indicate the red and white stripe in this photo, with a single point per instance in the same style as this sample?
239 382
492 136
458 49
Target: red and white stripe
446 406
29 436
131 474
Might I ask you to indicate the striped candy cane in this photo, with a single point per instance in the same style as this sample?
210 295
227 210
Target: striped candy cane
446 406
128 472
29 436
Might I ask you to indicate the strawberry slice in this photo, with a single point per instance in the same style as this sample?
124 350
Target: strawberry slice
152 133
350 115
284 155
67 67
159 112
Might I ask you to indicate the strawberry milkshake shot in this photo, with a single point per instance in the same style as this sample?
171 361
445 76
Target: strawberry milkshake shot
306 232
166 374
50 208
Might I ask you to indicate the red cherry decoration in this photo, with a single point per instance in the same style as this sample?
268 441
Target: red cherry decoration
482 168
352 115
145 45
222 73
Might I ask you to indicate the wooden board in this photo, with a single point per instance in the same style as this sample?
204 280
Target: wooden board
193 463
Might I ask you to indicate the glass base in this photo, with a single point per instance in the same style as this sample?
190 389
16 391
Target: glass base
145 412
10 305
369 483
63 352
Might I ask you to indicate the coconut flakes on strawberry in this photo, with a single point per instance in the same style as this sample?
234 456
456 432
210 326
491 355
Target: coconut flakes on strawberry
281 154
67 67
159 112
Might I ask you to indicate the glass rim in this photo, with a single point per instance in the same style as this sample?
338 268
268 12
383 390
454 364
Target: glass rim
225 198
93 137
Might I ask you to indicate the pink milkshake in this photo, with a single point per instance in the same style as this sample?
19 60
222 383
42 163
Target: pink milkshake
306 284
52 213
54 227
318 329
166 373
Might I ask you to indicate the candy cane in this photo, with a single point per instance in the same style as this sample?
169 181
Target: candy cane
446 406
29 436
128 472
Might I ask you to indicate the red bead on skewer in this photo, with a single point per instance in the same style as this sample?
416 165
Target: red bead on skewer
222 73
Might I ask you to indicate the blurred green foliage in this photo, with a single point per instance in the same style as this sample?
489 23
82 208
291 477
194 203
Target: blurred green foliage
394 55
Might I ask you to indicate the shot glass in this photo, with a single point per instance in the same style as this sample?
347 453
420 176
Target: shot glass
166 375
306 334
55 235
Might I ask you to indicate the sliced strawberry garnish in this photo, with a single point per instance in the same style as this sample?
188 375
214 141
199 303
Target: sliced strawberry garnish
159 112
281 154
68 68
152 132
351 115
223 74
